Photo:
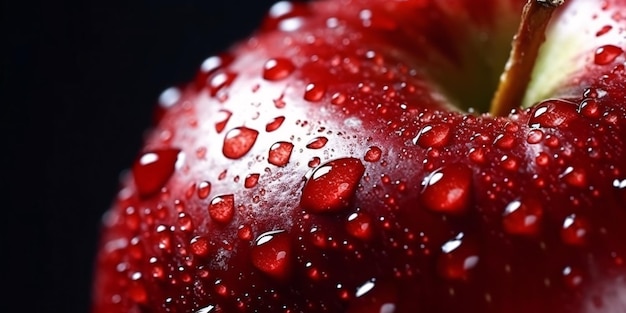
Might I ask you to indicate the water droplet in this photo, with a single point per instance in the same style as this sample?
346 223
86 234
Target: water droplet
222 208
251 180
534 136
589 108
607 54
572 276
509 163
359 225
542 159
271 254
274 124
153 169
222 118
278 68
280 153
605 29
504 141
523 217
373 154
244 232
169 97
220 80
317 143
435 136
199 246
314 92
448 189
314 162
373 296
338 98
553 113
457 259
204 189
238 141
332 185
185 222
575 230
477 155
576 177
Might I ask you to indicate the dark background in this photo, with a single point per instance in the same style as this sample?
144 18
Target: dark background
79 81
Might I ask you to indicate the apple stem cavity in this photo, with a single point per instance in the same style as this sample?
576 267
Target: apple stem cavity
525 48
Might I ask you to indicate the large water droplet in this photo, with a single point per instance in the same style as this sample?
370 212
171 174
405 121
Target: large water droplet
222 208
553 113
238 141
271 254
607 54
251 180
523 217
448 189
457 259
332 185
280 153
153 169
200 246
278 68
435 136
220 80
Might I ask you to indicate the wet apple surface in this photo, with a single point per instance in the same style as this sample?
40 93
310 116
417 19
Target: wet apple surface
339 160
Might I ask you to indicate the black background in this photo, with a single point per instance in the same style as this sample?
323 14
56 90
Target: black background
79 81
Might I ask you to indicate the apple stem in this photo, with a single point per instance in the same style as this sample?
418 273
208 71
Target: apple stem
525 48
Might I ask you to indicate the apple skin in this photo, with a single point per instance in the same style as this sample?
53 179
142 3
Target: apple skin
326 165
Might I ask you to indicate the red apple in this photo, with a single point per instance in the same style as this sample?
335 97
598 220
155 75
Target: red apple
342 159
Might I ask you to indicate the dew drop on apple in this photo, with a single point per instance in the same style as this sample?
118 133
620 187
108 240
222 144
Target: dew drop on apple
163 238
552 113
244 232
314 162
589 108
277 69
477 155
185 222
575 230
280 153
222 208
607 54
222 118
204 189
238 141
509 163
457 259
317 143
359 225
523 217
504 141
448 189
199 246
220 80
572 276
332 185
373 296
574 176
542 159
373 154
314 92
534 136
435 136
251 180
153 169
271 254
274 124
605 29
